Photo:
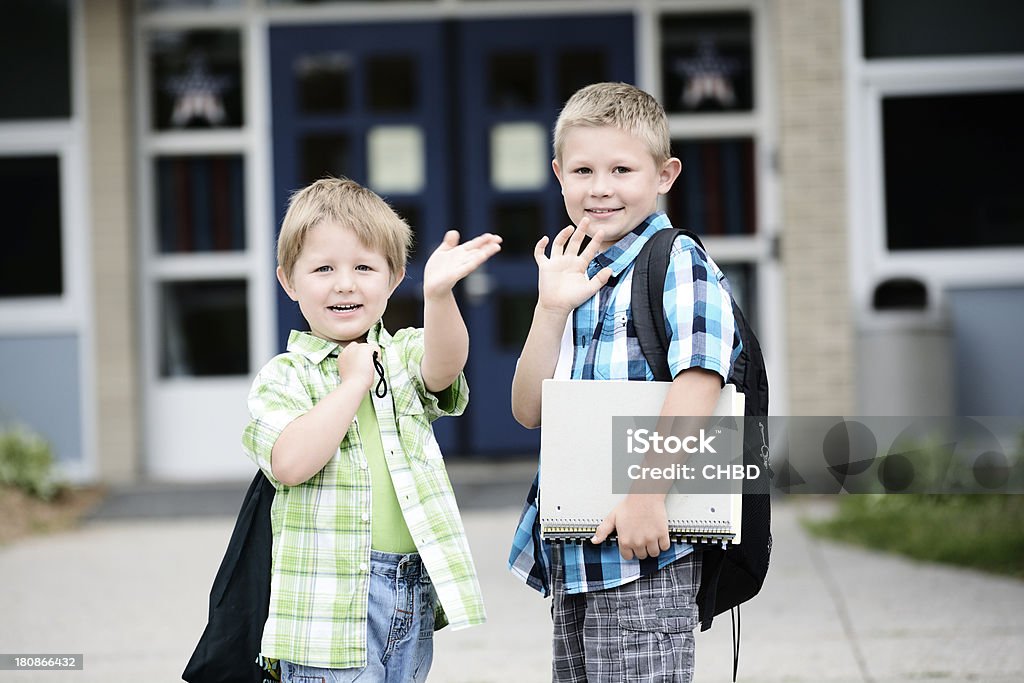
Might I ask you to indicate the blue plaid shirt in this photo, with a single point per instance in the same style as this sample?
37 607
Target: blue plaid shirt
699 321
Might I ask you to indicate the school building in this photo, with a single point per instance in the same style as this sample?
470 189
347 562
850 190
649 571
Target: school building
854 166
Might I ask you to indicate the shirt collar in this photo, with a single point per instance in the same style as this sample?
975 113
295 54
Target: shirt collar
315 349
622 253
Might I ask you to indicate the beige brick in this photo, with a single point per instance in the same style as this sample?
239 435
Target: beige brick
107 55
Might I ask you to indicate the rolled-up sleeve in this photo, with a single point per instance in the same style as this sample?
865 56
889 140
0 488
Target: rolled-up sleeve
276 398
698 313
450 401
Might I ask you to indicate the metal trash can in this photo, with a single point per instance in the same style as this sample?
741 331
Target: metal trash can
904 353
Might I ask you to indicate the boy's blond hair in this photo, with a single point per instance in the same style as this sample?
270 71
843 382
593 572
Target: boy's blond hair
621 105
347 203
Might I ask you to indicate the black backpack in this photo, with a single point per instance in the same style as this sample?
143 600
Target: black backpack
240 597
732 576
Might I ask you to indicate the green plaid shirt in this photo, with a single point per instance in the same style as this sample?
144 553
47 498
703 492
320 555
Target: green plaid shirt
319 578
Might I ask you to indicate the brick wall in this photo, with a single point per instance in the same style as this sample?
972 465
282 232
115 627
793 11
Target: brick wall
111 188
808 43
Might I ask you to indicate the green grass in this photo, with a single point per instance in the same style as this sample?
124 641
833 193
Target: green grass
983 532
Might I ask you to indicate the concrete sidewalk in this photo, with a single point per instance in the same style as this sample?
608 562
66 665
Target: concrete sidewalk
131 596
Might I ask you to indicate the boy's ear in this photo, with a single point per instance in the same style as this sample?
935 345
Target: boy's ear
558 171
396 280
669 172
285 285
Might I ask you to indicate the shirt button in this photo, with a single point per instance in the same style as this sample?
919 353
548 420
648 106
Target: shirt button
363 465
366 517
362 566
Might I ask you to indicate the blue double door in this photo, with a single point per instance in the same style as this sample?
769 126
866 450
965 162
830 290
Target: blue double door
450 121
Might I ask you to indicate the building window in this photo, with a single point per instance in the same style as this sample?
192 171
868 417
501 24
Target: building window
200 203
715 192
204 328
952 170
196 79
35 60
707 63
932 28
32 260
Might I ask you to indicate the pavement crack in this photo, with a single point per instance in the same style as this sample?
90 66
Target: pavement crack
832 586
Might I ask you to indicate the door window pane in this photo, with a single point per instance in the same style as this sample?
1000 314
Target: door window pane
396 160
391 84
35 60
952 170
715 193
196 79
31 261
519 156
514 317
706 62
324 154
204 328
923 28
513 80
403 311
410 213
578 68
200 204
324 82
520 226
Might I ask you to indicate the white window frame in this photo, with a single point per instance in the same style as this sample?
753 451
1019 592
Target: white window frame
868 82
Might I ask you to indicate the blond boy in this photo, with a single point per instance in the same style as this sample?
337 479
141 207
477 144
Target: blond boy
623 611
369 552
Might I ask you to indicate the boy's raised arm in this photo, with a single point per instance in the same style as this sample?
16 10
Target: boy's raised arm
445 339
562 285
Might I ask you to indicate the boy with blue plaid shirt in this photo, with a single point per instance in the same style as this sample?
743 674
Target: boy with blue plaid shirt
369 552
622 611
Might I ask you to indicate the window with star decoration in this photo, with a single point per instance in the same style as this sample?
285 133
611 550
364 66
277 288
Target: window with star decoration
706 63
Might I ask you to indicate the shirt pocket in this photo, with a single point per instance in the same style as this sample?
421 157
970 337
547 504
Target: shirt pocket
613 339
417 435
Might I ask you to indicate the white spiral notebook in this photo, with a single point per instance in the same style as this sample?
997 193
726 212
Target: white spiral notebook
576 468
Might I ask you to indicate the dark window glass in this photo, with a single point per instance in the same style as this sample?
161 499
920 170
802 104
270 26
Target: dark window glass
952 170
325 154
204 328
513 80
324 82
196 79
31 261
403 311
411 214
184 4
520 226
715 193
391 83
35 60
200 204
921 28
742 279
514 317
579 68
707 62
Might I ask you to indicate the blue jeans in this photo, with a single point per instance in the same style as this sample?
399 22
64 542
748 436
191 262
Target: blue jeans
400 627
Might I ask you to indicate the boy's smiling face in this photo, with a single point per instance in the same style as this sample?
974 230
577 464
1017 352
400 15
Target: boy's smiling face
342 286
611 177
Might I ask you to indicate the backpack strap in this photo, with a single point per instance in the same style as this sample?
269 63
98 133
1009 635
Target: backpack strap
647 298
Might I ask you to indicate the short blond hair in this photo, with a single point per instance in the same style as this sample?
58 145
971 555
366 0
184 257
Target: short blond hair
621 105
346 202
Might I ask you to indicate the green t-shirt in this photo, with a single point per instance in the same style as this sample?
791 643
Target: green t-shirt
388 530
